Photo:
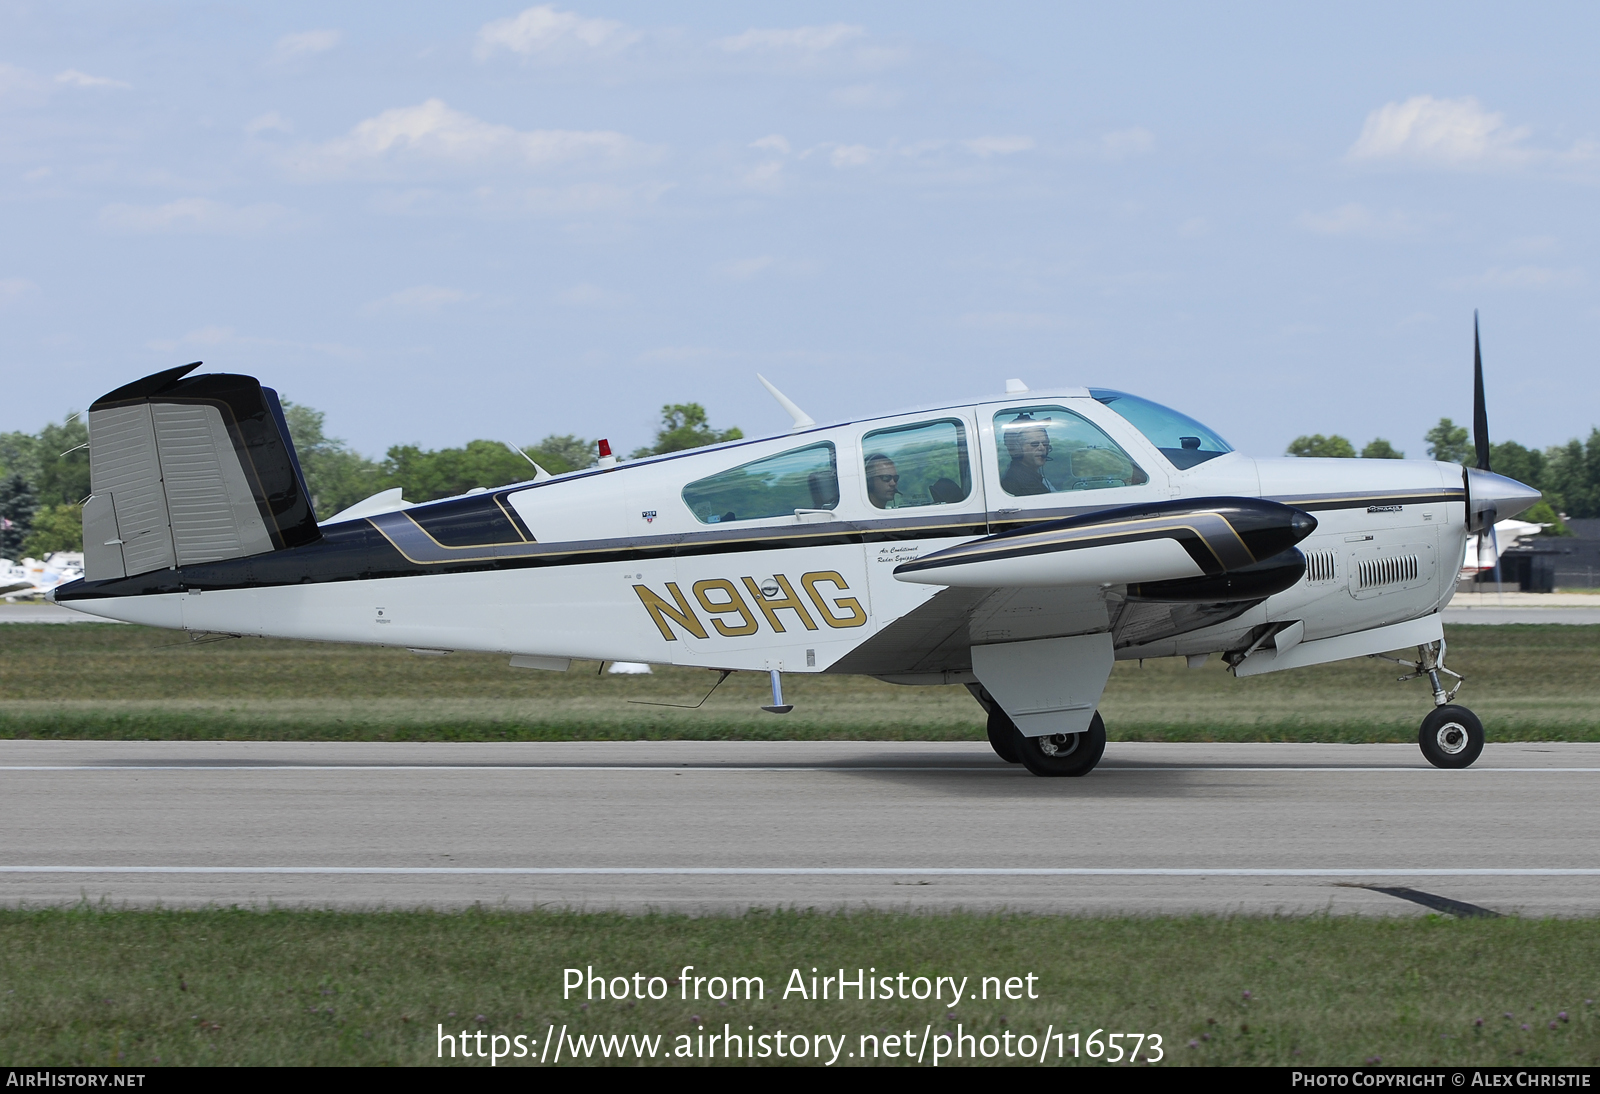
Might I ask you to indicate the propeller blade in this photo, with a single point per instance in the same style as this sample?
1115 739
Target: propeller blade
1480 408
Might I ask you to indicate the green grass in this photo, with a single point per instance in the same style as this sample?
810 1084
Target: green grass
94 987
89 681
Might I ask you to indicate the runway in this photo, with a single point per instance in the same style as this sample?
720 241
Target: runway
717 826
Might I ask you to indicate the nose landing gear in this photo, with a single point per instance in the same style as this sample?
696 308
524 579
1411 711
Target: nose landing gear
1450 736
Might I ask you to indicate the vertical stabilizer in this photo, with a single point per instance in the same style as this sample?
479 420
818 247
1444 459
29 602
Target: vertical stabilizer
185 471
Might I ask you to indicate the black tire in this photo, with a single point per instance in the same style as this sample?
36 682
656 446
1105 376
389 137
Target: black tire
1070 755
1451 737
1003 735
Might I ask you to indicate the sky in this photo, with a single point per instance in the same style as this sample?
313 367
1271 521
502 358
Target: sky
441 222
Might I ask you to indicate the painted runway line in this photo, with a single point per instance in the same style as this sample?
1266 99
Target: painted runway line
832 871
994 768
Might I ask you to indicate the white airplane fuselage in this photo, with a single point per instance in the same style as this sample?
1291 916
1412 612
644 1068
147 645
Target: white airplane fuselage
613 564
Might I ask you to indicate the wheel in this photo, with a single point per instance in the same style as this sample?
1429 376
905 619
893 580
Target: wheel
1003 736
1069 754
1451 736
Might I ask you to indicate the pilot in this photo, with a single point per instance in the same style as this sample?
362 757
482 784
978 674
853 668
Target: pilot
1028 445
883 482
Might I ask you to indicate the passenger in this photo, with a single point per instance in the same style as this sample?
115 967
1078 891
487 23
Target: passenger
1028 445
883 482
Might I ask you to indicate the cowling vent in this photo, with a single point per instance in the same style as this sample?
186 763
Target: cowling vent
1389 570
1319 566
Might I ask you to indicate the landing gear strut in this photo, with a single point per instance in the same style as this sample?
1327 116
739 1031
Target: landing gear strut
1450 736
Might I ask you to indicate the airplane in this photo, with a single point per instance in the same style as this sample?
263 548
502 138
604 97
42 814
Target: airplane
34 577
1018 544
1485 552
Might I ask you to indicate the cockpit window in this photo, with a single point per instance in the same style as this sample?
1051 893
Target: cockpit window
801 478
1182 440
1050 450
912 465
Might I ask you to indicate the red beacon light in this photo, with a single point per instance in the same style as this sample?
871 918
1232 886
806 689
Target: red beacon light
606 458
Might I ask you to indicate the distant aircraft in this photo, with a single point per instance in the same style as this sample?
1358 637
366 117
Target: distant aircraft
34 577
1484 552
1018 544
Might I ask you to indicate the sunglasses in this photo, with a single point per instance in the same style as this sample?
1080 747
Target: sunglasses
887 478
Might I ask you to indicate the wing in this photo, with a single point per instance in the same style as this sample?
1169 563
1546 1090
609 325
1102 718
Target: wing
1037 612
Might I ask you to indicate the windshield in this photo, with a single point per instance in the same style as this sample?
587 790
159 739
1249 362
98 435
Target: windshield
1181 439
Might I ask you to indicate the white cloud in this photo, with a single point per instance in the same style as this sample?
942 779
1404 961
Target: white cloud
18 85
984 147
766 175
270 122
603 200
431 132
925 152
852 155
1356 219
201 215
418 298
1439 133
794 40
544 31
867 97
1521 277
307 41
772 143
1012 320
73 78
1123 143
743 269
586 295
13 287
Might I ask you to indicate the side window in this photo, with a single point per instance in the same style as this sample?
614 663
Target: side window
1050 450
912 465
802 478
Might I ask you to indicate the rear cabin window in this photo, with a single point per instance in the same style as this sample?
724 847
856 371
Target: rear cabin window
801 478
913 465
1051 450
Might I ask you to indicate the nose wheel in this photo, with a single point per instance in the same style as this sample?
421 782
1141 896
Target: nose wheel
1451 736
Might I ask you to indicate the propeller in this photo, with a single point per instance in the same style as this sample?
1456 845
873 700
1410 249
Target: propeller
1480 408
1480 441
1489 497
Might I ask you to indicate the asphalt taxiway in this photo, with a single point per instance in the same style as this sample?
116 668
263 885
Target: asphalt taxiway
716 826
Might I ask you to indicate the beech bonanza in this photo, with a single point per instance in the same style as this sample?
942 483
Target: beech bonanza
1018 544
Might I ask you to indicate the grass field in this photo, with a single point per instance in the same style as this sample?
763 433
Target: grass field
91 681
274 987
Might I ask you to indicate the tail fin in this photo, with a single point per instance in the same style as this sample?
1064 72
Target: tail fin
185 471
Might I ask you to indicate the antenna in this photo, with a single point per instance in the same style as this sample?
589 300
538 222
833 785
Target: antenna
539 473
802 420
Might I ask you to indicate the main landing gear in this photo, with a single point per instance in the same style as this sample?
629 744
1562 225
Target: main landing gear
1450 736
1056 754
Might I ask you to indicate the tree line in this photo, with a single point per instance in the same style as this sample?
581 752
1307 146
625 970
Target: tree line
1567 475
44 476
